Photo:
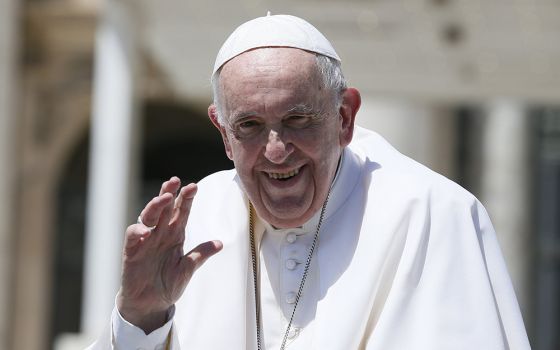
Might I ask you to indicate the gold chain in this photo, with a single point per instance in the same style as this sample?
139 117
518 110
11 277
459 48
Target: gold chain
168 340
303 278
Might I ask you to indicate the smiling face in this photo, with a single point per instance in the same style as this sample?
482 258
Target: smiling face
283 131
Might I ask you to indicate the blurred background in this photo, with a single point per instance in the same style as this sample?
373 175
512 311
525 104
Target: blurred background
101 101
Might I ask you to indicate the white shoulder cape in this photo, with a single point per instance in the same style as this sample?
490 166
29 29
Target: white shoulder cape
408 260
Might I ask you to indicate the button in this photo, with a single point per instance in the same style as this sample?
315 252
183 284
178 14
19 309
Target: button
291 264
291 297
291 237
294 332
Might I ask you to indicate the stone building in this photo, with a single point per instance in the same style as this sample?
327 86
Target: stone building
101 101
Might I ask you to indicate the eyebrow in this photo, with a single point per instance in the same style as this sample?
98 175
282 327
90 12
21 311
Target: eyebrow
241 116
303 108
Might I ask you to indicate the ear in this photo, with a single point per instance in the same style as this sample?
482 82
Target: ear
351 102
213 115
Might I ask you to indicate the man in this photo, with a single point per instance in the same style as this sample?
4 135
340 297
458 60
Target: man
328 238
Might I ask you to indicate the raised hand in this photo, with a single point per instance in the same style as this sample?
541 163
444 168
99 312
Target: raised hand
155 270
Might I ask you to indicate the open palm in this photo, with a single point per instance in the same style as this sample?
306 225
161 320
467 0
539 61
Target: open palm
155 269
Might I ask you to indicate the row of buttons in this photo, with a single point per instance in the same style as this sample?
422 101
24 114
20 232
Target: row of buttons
291 264
290 297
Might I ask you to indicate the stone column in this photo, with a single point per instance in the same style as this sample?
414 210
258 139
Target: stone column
505 189
8 129
112 164
420 130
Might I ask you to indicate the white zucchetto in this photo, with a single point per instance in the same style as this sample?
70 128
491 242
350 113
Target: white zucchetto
274 31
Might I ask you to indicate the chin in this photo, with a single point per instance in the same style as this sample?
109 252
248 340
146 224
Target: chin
287 223
285 219
287 213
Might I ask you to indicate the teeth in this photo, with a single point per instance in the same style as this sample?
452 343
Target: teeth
280 176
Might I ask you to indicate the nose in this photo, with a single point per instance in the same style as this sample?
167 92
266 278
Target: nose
277 151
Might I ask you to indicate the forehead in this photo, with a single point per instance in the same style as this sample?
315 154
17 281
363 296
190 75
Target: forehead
270 77
269 59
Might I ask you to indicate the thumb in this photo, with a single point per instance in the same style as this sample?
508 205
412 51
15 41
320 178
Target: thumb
199 254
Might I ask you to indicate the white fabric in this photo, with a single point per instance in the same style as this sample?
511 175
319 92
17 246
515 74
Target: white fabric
408 260
128 336
274 31
283 256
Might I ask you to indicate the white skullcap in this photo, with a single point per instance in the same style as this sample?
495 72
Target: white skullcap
274 31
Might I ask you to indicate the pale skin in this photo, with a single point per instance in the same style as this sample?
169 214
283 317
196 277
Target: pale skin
155 268
284 135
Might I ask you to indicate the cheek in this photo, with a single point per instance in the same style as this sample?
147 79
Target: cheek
322 147
326 154
244 156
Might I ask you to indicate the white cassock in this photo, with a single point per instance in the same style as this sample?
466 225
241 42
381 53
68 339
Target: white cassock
406 259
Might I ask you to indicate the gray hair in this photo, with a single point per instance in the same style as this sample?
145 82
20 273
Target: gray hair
328 67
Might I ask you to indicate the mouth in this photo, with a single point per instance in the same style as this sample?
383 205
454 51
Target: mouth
283 176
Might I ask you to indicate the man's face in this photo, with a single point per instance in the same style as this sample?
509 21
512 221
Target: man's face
282 130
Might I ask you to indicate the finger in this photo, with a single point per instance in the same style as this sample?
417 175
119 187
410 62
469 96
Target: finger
170 186
166 213
183 205
151 213
135 235
197 256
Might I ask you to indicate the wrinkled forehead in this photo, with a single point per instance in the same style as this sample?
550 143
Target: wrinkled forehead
271 60
287 76
273 70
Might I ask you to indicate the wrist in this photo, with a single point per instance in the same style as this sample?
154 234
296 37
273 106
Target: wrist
142 317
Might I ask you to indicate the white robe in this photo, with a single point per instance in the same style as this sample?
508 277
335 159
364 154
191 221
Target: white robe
406 260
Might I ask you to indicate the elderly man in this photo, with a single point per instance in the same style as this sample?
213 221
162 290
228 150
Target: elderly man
328 238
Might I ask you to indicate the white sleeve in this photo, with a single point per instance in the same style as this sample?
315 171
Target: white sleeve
128 336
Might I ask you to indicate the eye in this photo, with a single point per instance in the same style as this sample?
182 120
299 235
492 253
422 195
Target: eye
248 124
248 127
298 121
